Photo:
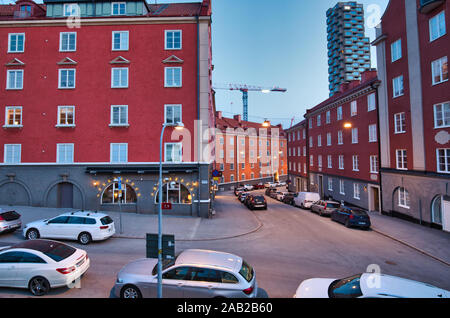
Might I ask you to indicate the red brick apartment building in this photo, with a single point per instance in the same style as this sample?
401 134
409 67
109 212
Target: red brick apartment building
298 157
413 46
248 152
86 87
342 144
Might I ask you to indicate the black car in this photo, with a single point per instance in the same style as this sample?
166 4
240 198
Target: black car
256 202
289 198
351 217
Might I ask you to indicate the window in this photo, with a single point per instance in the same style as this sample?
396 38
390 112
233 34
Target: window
64 153
176 193
16 42
356 193
231 166
328 139
396 50
115 195
328 117
402 159
330 161
173 40
339 113
66 78
319 120
311 160
119 77
398 86
330 184
373 133
173 115
14 79
232 177
311 141
118 8
341 186
340 138
341 162
354 108
442 115
355 160
12 154
399 123
319 141
439 69
67 41
437 26
374 164
443 160
119 153
66 116
13 116
319 161
71 10
120 40
119 115
403 198
371 102
173 77
304 151
173 152
354 135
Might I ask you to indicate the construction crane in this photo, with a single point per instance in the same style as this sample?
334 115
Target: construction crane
248 88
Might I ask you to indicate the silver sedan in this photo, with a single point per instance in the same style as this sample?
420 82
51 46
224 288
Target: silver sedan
192 274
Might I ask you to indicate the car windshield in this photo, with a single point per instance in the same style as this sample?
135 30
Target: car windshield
333 205
246 271
259 198
346 288
166 263
358 212
106 220
55 250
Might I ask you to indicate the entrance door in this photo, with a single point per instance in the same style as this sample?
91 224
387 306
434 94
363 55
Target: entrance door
374 201
65 195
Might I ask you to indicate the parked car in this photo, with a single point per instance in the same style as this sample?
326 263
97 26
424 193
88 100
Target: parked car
192 274
289 198
242 196
238 190
247 199
257 202
83 226
306 199
259 186
9 221
368 285
248 187
40 265
351 216
274 194
280 195
270 185
269 191
325 207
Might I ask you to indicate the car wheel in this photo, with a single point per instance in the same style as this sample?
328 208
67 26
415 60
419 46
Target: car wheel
130 291
84 238
39 286
33 234
347 224
320 213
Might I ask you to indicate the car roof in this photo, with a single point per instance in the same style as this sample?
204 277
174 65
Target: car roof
93 214
39 245
209 258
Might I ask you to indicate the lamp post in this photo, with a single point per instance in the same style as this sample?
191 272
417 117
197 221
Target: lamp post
177 126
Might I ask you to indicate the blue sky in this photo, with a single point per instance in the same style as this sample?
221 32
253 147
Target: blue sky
274 43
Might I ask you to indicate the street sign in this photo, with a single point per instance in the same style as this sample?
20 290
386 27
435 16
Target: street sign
166 206
216 173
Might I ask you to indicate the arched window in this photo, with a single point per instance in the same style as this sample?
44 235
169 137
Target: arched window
174 192
436 210
113 195
403 198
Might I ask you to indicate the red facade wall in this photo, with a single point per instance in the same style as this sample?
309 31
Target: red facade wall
299 158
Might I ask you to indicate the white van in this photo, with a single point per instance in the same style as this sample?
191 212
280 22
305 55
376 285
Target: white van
306 199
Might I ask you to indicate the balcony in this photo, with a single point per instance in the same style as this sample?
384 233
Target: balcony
426 6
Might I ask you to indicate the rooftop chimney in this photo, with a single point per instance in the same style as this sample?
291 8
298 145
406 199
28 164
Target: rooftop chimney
219 114
238 118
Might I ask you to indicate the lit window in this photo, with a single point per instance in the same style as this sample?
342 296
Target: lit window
115 195
66 116
13 116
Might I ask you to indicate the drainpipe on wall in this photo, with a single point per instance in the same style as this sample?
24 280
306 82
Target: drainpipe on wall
199 137
375 86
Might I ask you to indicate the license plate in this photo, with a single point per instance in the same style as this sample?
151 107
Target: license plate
362 223
80 262
259 205
14 226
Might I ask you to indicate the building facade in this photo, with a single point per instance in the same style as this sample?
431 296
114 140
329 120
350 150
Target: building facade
348 47
249 153
298 157
86 88
412 51
342 142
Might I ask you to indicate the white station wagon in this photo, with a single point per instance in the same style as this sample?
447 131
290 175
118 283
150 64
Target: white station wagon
82 226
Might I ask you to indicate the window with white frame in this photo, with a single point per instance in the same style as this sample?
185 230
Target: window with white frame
354 135
66 78
396 50
293 152
232 178
64 153
354 108
118 8
403 198
299 167
66 116
119 77
119 115
319 161
340 137
310 123
293 136
399 123
173 77
330 161
328 117
311 160
443 160
339 113
231 166
14 79
67 41
319 120
373 133
120 40
173 114
330 184
298 134
397 84
304 133
119 153
13 116
442 115
439 70
355 160
356 191
304 167
371 102
12 153
311 144
299 151
328 139
341 162
319 141
374 164
221 154
71 10
437 26
173 152
173 39
341 186
16 42
290 151
402 159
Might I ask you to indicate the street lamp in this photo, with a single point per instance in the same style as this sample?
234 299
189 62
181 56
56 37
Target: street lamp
177 126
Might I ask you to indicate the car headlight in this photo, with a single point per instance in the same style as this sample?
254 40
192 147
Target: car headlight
119 280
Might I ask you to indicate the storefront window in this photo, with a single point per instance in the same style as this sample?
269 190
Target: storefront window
176 193
113 195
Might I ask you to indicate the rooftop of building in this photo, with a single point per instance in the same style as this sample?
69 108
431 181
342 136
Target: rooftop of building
223 123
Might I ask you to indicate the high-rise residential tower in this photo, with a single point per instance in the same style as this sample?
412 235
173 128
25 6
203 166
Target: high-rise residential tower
348 48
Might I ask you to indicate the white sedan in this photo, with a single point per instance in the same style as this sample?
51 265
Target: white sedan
368 285
40 265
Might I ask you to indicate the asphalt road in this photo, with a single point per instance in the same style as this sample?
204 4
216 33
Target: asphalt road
292 245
